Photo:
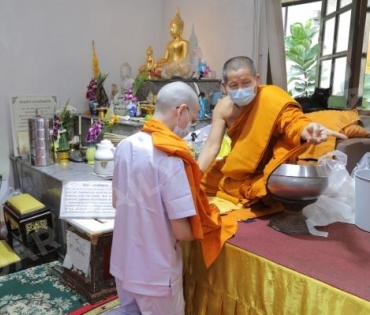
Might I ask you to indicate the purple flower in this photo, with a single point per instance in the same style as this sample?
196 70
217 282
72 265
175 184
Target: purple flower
94 131
56 127
91 90
129 96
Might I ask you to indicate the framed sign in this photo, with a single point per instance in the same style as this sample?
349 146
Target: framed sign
23 108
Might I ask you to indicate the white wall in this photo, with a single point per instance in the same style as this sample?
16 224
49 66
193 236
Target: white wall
45 49
45 46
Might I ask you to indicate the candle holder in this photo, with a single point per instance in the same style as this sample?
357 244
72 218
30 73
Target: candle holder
102 111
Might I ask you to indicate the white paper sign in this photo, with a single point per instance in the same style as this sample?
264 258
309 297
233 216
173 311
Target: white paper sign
23 108
90 199
78 253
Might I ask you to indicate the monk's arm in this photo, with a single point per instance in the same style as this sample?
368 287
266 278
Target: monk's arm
291 124
213 142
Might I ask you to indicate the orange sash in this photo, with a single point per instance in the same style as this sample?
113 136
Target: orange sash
207 225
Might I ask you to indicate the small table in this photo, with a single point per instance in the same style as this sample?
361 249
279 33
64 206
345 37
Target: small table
28 228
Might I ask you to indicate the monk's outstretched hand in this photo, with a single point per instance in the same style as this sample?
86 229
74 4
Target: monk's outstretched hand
315 133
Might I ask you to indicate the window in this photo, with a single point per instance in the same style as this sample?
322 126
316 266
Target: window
301 46
343 61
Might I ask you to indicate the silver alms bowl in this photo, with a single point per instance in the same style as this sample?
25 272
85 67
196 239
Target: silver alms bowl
297 182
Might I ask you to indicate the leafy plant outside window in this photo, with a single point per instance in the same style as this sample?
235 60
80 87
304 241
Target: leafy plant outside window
301 52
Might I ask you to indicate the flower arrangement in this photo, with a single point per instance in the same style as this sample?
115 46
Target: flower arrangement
63 123
130 96
96 92
99 127
95 89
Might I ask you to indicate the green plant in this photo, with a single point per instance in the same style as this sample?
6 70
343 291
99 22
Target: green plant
139 81
63 124
302 53
101 95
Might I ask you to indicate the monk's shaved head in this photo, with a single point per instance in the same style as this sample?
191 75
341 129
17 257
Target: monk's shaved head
175 94
237 63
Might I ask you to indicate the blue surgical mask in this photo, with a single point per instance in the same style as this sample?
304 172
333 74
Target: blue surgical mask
242 97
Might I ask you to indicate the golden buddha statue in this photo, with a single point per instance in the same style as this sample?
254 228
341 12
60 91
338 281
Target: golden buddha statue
175 62
149 62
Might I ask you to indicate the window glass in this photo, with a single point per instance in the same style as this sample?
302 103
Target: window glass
343 31
339 79
329 37
343 3
325 74
366 67
331 6
301 46
302 13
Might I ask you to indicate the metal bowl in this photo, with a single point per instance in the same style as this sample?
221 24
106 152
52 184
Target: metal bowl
297 182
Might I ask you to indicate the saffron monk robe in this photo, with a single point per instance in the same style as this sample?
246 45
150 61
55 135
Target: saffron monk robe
266 127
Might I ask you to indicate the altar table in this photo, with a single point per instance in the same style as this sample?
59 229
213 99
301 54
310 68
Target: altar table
262 271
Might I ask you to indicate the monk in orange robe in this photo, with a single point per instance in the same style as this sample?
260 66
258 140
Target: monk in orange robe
266 127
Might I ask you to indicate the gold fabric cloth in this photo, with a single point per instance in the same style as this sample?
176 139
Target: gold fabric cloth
242 283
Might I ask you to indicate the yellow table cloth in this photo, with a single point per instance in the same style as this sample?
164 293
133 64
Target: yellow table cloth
242 283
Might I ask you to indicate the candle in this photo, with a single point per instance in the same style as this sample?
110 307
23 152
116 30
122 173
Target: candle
79 125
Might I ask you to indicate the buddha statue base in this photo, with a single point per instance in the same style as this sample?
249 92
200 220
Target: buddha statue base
181 70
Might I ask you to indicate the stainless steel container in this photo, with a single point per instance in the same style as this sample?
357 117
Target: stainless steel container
40 136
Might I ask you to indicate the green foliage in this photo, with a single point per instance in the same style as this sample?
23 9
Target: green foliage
66 117
101 95
63 144
300 50
139 81
366 92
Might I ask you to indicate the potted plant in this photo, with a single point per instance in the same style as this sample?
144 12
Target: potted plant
302 53
62 132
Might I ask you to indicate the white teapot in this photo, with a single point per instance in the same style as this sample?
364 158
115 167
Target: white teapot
104 157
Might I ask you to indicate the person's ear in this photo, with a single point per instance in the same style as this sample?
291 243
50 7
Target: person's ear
223 85
258 79
182 108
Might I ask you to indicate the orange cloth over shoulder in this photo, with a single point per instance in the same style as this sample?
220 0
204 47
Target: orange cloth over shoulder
207 225
257 149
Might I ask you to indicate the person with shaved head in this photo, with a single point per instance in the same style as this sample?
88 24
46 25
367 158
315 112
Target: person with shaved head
155 189
266 126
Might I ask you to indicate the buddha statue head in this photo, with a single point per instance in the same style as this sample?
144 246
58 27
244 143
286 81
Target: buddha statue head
176 25
125 71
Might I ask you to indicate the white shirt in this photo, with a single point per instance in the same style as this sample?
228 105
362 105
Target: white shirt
151 189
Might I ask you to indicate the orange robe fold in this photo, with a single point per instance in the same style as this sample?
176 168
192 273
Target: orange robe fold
264 136
207 225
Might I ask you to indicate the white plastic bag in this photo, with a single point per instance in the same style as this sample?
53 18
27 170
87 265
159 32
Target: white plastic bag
337 203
